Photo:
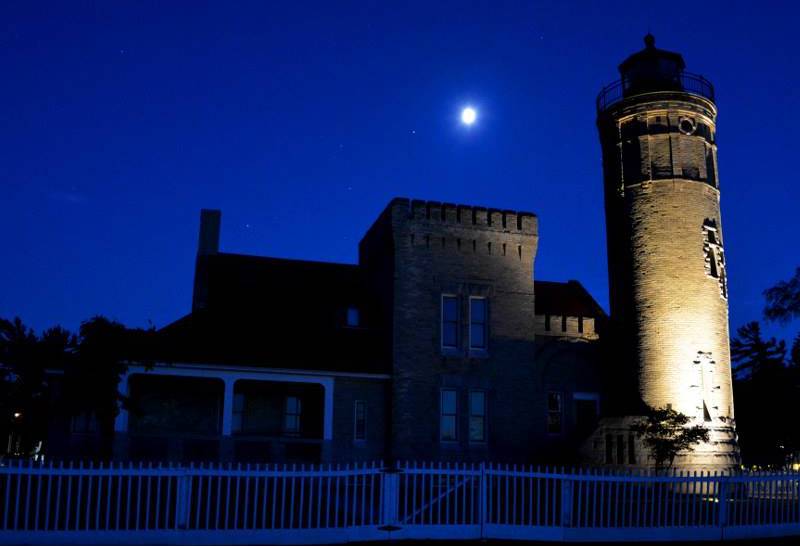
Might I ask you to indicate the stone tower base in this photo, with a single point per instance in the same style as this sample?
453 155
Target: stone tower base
613 445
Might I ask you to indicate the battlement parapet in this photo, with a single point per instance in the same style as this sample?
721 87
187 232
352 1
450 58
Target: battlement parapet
565 326
468 216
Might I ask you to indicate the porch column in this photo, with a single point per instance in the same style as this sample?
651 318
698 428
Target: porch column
121 421
227 406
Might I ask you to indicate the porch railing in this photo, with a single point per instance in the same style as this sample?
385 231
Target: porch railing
293 504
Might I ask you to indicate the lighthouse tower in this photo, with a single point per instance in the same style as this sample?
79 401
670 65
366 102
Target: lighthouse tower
667 268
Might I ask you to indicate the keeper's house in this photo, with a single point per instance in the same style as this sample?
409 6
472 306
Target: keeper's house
438 344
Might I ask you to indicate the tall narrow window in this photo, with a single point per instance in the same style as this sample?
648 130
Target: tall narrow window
477 416
360 418
291 415
631 449
477 323
448 416
555 409
449 321
238 412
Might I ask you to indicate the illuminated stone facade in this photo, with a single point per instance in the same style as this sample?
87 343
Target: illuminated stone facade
668 285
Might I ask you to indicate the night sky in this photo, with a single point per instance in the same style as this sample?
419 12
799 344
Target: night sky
302 120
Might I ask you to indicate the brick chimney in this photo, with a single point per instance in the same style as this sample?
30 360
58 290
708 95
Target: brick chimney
208 245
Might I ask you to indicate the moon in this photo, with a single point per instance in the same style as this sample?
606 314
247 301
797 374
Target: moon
468 115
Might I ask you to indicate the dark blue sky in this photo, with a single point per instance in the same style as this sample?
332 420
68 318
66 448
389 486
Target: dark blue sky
301 120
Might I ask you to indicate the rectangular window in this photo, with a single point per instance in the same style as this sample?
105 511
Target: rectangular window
477 323
353 317
449 321
477 416
84 423
238 413
620 449
547 323
360 419
609 449
555 409
448 416
291 415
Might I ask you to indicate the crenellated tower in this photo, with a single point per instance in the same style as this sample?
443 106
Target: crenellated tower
667 268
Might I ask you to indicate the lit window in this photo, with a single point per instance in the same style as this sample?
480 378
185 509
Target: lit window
554 412
477 323
238 413
477 416
353 317
291 415
448 416
360 418
449 321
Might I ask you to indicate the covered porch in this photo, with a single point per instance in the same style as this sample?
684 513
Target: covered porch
194 412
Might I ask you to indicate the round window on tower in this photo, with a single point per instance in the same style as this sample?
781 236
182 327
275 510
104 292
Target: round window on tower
687 126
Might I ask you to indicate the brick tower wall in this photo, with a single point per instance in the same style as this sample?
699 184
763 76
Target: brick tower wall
667 265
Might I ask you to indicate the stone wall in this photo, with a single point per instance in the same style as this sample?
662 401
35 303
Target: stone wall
375 394
464 251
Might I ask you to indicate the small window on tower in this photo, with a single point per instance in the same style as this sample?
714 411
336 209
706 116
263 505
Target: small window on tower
353 317
706 414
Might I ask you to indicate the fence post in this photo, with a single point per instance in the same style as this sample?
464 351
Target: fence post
183 499
483 500
566 502
722 494
390 499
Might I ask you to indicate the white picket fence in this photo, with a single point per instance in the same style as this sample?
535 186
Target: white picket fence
306 504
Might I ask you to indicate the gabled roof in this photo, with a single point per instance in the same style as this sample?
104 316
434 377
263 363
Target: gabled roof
565 298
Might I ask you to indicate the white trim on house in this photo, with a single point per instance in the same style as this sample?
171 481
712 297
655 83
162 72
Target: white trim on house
214 366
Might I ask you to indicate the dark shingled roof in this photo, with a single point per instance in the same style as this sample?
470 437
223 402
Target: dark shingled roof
278 313
290 314
565 298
